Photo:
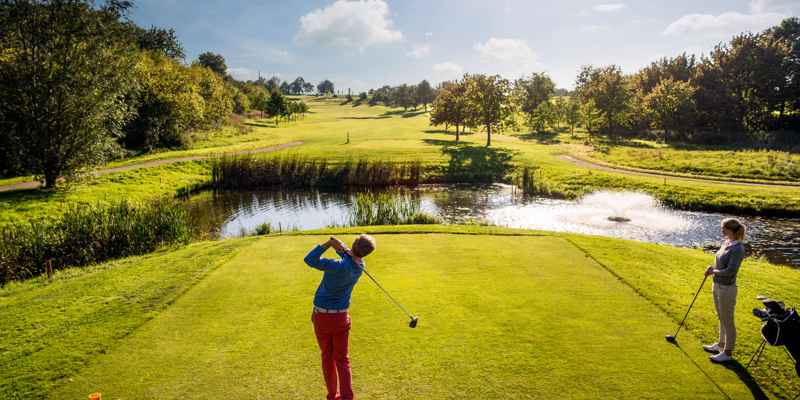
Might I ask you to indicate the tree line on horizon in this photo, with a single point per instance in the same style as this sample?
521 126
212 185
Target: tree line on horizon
80 84
747 89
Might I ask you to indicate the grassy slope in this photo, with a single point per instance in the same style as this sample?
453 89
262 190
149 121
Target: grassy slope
527 315
762 166
51 328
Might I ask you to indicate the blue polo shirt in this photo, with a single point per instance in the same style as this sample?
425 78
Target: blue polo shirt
338 281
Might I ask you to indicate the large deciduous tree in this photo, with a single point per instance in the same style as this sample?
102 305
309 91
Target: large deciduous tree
425 93
66 67
325 87
530 92
276 105
490 100
572 114
452 104
672 107
161 40
610 92
214 62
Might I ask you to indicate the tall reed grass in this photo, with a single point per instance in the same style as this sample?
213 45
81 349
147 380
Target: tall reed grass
243 171
385 209
88 234
527 180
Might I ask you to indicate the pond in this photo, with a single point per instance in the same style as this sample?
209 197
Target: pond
233 212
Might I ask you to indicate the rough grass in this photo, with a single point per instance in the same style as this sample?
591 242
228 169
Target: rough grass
749 164
527 315
51 328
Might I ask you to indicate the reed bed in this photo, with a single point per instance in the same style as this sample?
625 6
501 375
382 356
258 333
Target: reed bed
528 181
384 209
88 234
247 171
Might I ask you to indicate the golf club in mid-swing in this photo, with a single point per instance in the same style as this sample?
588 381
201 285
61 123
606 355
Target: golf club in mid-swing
671 338
413 323
414 320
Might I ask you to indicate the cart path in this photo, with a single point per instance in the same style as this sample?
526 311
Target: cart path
25 185
595 166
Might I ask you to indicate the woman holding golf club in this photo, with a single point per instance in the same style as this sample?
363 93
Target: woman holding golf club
726 266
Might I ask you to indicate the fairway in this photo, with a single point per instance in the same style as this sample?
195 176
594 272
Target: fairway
500 317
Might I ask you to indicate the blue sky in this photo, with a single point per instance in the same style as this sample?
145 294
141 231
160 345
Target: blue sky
370 43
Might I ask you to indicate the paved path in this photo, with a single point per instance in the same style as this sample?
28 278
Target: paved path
595 166
25 185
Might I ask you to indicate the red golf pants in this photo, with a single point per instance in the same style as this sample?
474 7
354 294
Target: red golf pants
333 336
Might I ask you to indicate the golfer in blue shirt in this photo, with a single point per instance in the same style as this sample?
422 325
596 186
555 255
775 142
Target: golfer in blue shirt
331 303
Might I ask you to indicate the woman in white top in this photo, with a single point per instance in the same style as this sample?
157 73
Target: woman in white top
726 266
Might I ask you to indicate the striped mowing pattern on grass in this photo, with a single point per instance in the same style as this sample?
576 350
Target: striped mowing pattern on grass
507 316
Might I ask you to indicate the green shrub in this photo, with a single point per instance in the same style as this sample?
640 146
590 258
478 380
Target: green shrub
85 235
264 228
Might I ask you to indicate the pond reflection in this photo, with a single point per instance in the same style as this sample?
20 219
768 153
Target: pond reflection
232 212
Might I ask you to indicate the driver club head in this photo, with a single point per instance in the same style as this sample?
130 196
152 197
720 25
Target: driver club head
413 323
670 338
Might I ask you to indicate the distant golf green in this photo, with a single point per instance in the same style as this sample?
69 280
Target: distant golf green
502 314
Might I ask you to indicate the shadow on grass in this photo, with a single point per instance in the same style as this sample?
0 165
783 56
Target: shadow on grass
405 113
449 132
470 163
37 194
734 366
261 123
543 136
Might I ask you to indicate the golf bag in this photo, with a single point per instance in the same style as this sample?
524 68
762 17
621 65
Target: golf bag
781 328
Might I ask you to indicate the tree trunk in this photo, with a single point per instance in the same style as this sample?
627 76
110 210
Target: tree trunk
488 135
456 132
50 178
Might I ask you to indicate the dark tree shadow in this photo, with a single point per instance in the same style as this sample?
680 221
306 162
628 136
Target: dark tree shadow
405 113
543 136
471 163
261 123
450 132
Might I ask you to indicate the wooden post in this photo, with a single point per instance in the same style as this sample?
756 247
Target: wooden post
348 137
49 269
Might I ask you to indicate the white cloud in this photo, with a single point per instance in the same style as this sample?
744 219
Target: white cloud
727 24
243 74
429 33
448 69
760 6
506 50
420 51
607 8
353 23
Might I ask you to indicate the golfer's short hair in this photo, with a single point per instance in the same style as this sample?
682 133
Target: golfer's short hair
738 228
363 245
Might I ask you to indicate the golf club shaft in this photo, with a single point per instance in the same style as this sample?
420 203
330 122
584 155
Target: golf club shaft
387 293
379 285
690 306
